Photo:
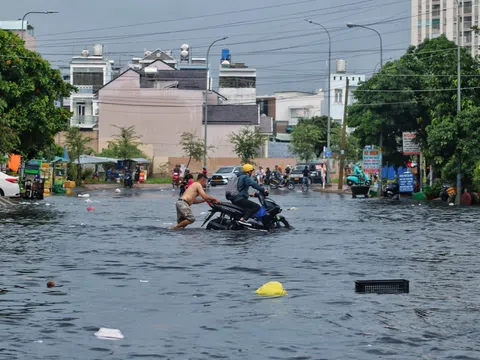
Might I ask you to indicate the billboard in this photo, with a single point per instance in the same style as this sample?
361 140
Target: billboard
409 146
372 159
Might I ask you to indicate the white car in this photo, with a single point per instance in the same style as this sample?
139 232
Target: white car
9 185
223 175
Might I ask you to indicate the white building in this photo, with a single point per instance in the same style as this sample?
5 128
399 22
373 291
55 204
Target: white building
293 105
16 27
338 84
431 18
88 73
237 82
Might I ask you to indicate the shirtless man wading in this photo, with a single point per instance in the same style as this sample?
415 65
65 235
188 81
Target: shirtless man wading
184 211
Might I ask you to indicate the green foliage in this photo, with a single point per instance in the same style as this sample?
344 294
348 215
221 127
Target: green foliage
456 140
305 139
29 86
410 94
76 145
125 145
247 143
193 146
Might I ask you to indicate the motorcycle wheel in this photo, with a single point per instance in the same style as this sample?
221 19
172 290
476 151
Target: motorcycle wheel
350 182
282 222
291 186
216 224
444 197
368 183
273 185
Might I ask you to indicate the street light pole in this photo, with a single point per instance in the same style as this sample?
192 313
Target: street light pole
381 133
329 76
459 103
36 12
205 116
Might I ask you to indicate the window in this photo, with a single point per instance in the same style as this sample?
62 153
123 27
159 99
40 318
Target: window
419 23
88 76
80 109
334 78
237 82
339 96
340 78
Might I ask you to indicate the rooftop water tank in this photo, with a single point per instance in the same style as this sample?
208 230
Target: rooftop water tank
85 53
98 50
226 54
341 66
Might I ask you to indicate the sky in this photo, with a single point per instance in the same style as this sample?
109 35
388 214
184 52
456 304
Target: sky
269 35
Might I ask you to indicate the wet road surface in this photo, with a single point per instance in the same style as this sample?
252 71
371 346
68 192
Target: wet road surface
190 294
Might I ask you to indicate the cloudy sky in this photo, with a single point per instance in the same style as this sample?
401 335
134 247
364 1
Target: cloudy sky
270 35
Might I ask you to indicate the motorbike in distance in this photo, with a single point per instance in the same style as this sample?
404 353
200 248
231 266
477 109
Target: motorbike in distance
267 218
128 178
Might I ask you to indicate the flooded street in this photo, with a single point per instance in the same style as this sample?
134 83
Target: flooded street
190 294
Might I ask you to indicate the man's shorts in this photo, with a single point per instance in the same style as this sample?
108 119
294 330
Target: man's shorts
184 211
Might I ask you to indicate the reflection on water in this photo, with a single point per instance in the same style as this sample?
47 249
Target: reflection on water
190 294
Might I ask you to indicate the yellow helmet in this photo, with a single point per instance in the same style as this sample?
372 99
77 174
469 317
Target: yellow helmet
247 167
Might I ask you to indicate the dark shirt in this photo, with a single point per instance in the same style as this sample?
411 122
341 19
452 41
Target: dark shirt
268 174
306 172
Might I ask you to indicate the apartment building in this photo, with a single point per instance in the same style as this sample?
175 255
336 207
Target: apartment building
431 18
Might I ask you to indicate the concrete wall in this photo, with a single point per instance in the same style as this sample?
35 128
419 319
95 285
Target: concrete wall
60 139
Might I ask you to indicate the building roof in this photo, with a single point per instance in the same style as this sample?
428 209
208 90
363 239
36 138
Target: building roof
232 114
15 25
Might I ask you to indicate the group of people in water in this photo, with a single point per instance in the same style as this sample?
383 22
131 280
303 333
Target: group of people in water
195 190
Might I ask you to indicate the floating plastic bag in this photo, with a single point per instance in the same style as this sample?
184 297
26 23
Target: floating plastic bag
272 288
109 334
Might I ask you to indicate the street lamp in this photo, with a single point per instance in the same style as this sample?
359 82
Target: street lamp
36 12
205 99
328 90
350 25
459 103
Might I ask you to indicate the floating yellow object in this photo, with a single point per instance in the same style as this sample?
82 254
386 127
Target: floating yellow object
272 288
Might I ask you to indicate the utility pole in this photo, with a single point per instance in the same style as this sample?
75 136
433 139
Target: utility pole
344 135
459 105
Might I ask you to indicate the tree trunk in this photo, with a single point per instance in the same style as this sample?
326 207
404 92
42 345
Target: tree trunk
189 159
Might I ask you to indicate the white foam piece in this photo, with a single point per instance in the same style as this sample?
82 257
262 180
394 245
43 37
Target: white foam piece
83 195
144 281
109 334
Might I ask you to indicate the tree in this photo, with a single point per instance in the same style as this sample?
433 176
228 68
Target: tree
125 145
29 86
310 136
305 139
247 143
412 93
77 145
455 141
193 147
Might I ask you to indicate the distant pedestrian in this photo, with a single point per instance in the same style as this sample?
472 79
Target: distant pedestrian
323 172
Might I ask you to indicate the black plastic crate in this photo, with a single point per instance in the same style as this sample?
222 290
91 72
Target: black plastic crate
396 286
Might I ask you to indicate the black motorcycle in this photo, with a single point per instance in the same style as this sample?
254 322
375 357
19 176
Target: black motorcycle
267 218
391 190
128 179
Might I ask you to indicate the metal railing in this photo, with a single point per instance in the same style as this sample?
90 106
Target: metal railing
87 120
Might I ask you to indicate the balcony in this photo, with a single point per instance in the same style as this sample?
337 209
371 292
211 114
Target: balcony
87 121
84 89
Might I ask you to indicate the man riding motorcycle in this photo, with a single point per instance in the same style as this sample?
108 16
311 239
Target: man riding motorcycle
244 182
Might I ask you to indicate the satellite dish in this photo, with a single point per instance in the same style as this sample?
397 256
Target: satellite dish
147 53
184 47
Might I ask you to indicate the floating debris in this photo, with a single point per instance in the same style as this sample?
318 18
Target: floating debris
272 288
109 334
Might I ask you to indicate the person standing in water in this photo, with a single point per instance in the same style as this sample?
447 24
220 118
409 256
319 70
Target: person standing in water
183 205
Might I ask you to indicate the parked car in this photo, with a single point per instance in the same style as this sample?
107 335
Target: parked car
9 186
223 175
296 175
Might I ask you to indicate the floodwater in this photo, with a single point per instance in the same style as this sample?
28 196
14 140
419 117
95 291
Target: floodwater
190 294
